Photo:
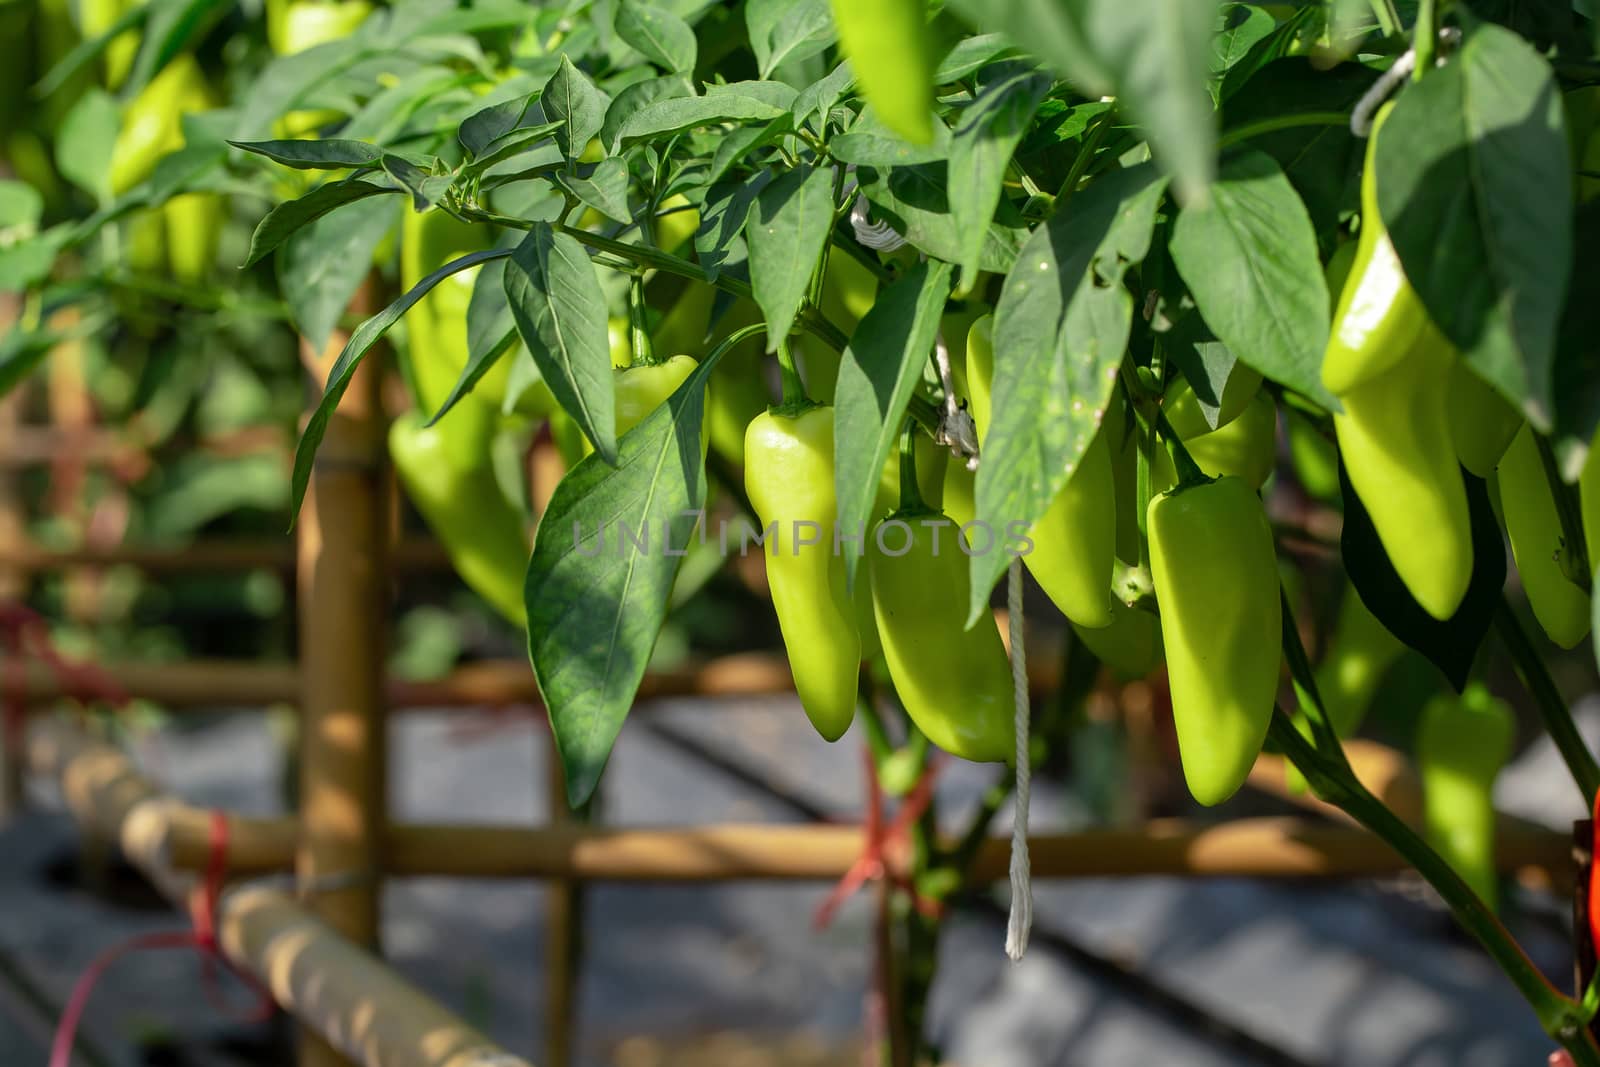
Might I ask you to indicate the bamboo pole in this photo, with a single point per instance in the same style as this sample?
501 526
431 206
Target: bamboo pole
202 557
343 599
13 579
563 916
348 996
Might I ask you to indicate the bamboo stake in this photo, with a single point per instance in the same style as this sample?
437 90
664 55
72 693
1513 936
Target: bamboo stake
202 557
348 996
13 580
343 534
563 916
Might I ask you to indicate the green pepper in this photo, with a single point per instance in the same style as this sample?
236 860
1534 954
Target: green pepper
1482 422
483 534
194 232
1395 436
1245 446
1315 458
1075 540
1380 317
437 324
642 388
144 241
1533 525
1122 443
1182 407
891 51
1461 745
95 17
1359 652
788 476
1130 646
1216 580
297 25
955 683
151 126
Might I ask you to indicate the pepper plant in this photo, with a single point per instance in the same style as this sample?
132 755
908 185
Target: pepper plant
1034 279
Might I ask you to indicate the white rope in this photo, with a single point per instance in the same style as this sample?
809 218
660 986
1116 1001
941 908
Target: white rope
879 236
1020 921
956 428
1389 80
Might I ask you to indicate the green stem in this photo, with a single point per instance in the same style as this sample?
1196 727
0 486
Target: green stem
1424 38
639 336
1248 130
1085 156
1388 17
1575 561
1558 1014
1325 734
910 493
1189 472
795 399
1547 699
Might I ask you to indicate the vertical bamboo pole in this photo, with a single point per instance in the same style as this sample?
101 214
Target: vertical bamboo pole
13 581
343 533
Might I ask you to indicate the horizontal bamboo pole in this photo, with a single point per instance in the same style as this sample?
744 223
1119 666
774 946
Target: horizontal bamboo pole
348 996
202 557
104 791
488 683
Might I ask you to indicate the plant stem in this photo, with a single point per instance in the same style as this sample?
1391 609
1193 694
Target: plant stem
1246 131
795 399
1547 699
1424 38
1557 1013
1085 156
639 336
910 492
1388 17
1575 561
1189 472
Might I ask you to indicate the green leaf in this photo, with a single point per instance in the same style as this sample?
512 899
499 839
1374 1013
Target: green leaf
491 327
323 264
361 341
1061 329
28 262
733 148
662 37
871 144
1475 187
916 203
1239 28
605 190
787 230
282 221
1577 367
1152 55
635 98
972 54
783 30
678 114
596 598
722 219
87 136
774 94
331 154
1250 259
514 144
819 97
425 187
571 98
560 310
21 207
877 375
482 128
980 150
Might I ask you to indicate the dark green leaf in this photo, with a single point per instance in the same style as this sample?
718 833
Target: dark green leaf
1061 329
425 187
323 264
1577 369
605 190
83 145
733 148
1250 259
980 150
787 30
870 144
282 221
331 154
560 310
1475 187
21 207
972 54
482 128
722 219
678 114
516 145
774 94
787 229
635 98
1240 27
915 202
879 372
596 593
1152 55
819 97
1451 645
355 349
662 37
571 98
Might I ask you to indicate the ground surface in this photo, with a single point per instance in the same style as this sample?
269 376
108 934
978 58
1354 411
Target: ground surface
1153 971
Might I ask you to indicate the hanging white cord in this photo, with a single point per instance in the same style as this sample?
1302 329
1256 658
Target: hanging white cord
1020 921
879 236
956 428
1389 80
